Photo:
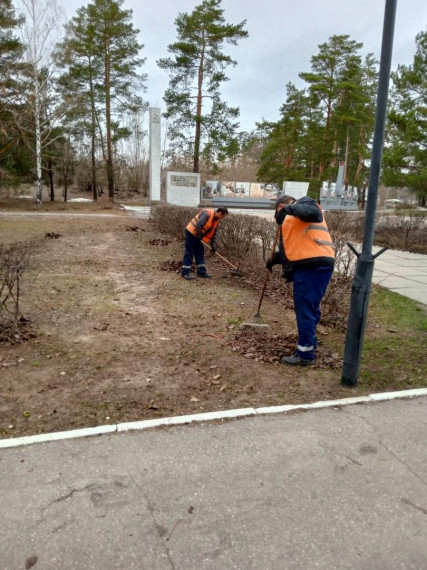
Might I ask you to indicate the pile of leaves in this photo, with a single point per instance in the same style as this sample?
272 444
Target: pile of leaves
135 229
171 265
267 348
159 241
12 333
52 235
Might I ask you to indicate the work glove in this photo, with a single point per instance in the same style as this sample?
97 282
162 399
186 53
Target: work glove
280 216
288 274
274 261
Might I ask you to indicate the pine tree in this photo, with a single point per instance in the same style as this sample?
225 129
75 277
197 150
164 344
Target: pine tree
201 124
11 50
405 153
330 120
329 79
282 156
100 55
81 83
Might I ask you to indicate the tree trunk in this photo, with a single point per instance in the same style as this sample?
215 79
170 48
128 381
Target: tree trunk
325 136
361 158
93 141
347 143
196 163
39 182
93 160
110 169
50 174
363 196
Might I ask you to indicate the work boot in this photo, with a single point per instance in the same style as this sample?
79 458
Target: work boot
189 277
204 276
296 361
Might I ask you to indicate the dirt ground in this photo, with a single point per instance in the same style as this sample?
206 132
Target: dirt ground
116 335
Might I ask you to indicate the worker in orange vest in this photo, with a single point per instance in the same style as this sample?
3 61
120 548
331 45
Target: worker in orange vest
202 228
307 256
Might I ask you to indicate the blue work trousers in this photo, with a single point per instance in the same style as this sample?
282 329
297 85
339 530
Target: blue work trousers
193 248
310 286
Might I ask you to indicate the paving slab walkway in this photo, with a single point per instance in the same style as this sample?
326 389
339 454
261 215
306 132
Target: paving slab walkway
340 488
402 272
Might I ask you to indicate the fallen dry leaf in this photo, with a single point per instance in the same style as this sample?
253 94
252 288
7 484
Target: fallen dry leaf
31 560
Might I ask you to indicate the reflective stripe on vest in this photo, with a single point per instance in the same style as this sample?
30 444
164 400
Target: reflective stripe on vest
304 240
209 227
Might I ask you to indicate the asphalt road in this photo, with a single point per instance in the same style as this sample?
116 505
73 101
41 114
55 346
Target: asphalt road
338 488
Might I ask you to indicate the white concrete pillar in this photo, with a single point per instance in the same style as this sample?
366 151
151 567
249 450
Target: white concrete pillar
154 155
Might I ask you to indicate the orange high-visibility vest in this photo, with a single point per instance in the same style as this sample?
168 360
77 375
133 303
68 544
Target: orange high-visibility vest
306 240
209 227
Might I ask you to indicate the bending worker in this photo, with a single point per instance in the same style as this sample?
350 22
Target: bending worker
307 255
202 228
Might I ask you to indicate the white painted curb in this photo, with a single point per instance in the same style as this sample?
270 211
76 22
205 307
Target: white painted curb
208 416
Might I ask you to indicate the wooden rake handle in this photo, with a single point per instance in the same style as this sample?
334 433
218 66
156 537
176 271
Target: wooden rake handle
221 257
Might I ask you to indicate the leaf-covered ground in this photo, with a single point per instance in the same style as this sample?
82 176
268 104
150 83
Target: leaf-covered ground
114 334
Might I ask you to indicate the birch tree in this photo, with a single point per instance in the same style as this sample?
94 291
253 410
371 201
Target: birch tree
39 32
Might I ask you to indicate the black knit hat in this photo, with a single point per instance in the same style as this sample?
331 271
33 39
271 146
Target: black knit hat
282 199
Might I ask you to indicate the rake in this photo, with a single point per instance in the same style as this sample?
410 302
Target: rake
257 317
235 271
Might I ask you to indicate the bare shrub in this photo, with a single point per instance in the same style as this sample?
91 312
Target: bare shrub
336 301
14 261
172 220
240 237
247 238
342 223
247 242
407 233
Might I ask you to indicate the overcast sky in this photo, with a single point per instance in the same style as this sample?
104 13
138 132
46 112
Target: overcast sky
283 36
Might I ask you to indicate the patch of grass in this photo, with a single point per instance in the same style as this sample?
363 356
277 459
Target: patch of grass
401 313
394 352
411 213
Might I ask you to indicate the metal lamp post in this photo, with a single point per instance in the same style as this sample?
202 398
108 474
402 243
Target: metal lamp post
365 260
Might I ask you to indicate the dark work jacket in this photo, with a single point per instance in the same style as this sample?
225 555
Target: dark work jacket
308 211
